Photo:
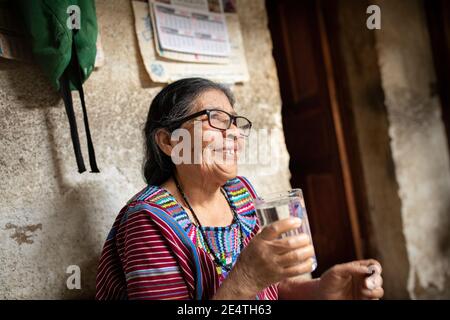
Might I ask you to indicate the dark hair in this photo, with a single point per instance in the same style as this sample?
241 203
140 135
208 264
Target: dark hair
172 103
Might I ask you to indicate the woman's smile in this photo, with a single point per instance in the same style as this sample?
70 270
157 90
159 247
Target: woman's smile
206 207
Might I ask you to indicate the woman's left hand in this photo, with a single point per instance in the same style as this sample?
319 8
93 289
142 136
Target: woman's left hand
352 281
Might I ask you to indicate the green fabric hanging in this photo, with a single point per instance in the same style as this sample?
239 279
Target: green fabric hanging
51 39
66 52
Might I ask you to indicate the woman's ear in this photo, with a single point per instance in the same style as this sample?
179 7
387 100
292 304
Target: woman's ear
162 138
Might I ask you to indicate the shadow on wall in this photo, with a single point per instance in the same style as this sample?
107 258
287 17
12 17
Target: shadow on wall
444 240
69 206
432 291
74 212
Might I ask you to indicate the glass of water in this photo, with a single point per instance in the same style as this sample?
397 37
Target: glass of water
282 205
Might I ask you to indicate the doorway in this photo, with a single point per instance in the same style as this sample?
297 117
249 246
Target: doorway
315 129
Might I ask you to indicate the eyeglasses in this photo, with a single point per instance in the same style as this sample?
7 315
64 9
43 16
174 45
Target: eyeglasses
221 120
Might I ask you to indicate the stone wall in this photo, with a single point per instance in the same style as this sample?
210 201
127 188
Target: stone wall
51 216
389 79
418 144
381 208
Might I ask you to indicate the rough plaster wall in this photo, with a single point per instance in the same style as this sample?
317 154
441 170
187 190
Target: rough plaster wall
418 145
51 216
386 241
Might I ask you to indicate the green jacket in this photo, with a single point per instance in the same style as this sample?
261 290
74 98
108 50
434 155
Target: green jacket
51 39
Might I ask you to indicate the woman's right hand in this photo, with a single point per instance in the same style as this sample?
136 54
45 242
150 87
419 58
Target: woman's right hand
268 259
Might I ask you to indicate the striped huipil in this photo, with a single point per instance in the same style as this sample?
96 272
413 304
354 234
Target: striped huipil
150 253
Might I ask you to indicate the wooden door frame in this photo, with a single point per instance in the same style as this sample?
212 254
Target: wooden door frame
438 18
349 156
340 127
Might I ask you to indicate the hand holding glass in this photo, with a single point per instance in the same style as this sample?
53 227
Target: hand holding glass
277 206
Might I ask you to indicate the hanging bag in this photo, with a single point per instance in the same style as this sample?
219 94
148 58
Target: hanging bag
66 54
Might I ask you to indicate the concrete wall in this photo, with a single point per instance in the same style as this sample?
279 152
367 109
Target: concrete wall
51 216
418 144
402 145
381 208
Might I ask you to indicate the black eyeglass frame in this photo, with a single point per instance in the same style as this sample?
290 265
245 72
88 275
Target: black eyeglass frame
233 118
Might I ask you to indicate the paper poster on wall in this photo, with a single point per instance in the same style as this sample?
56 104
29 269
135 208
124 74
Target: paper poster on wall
183 56
161 69
193 4
183 29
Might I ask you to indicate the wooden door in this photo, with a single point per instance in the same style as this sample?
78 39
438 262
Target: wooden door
313 129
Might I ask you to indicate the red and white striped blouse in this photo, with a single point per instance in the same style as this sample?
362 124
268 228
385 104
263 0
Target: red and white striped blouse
149 254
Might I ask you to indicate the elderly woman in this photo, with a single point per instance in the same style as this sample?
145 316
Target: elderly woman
192 233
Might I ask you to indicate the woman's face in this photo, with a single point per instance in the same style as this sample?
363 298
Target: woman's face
213 152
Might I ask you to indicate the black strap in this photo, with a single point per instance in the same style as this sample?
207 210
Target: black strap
67 97
75 69
91 151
